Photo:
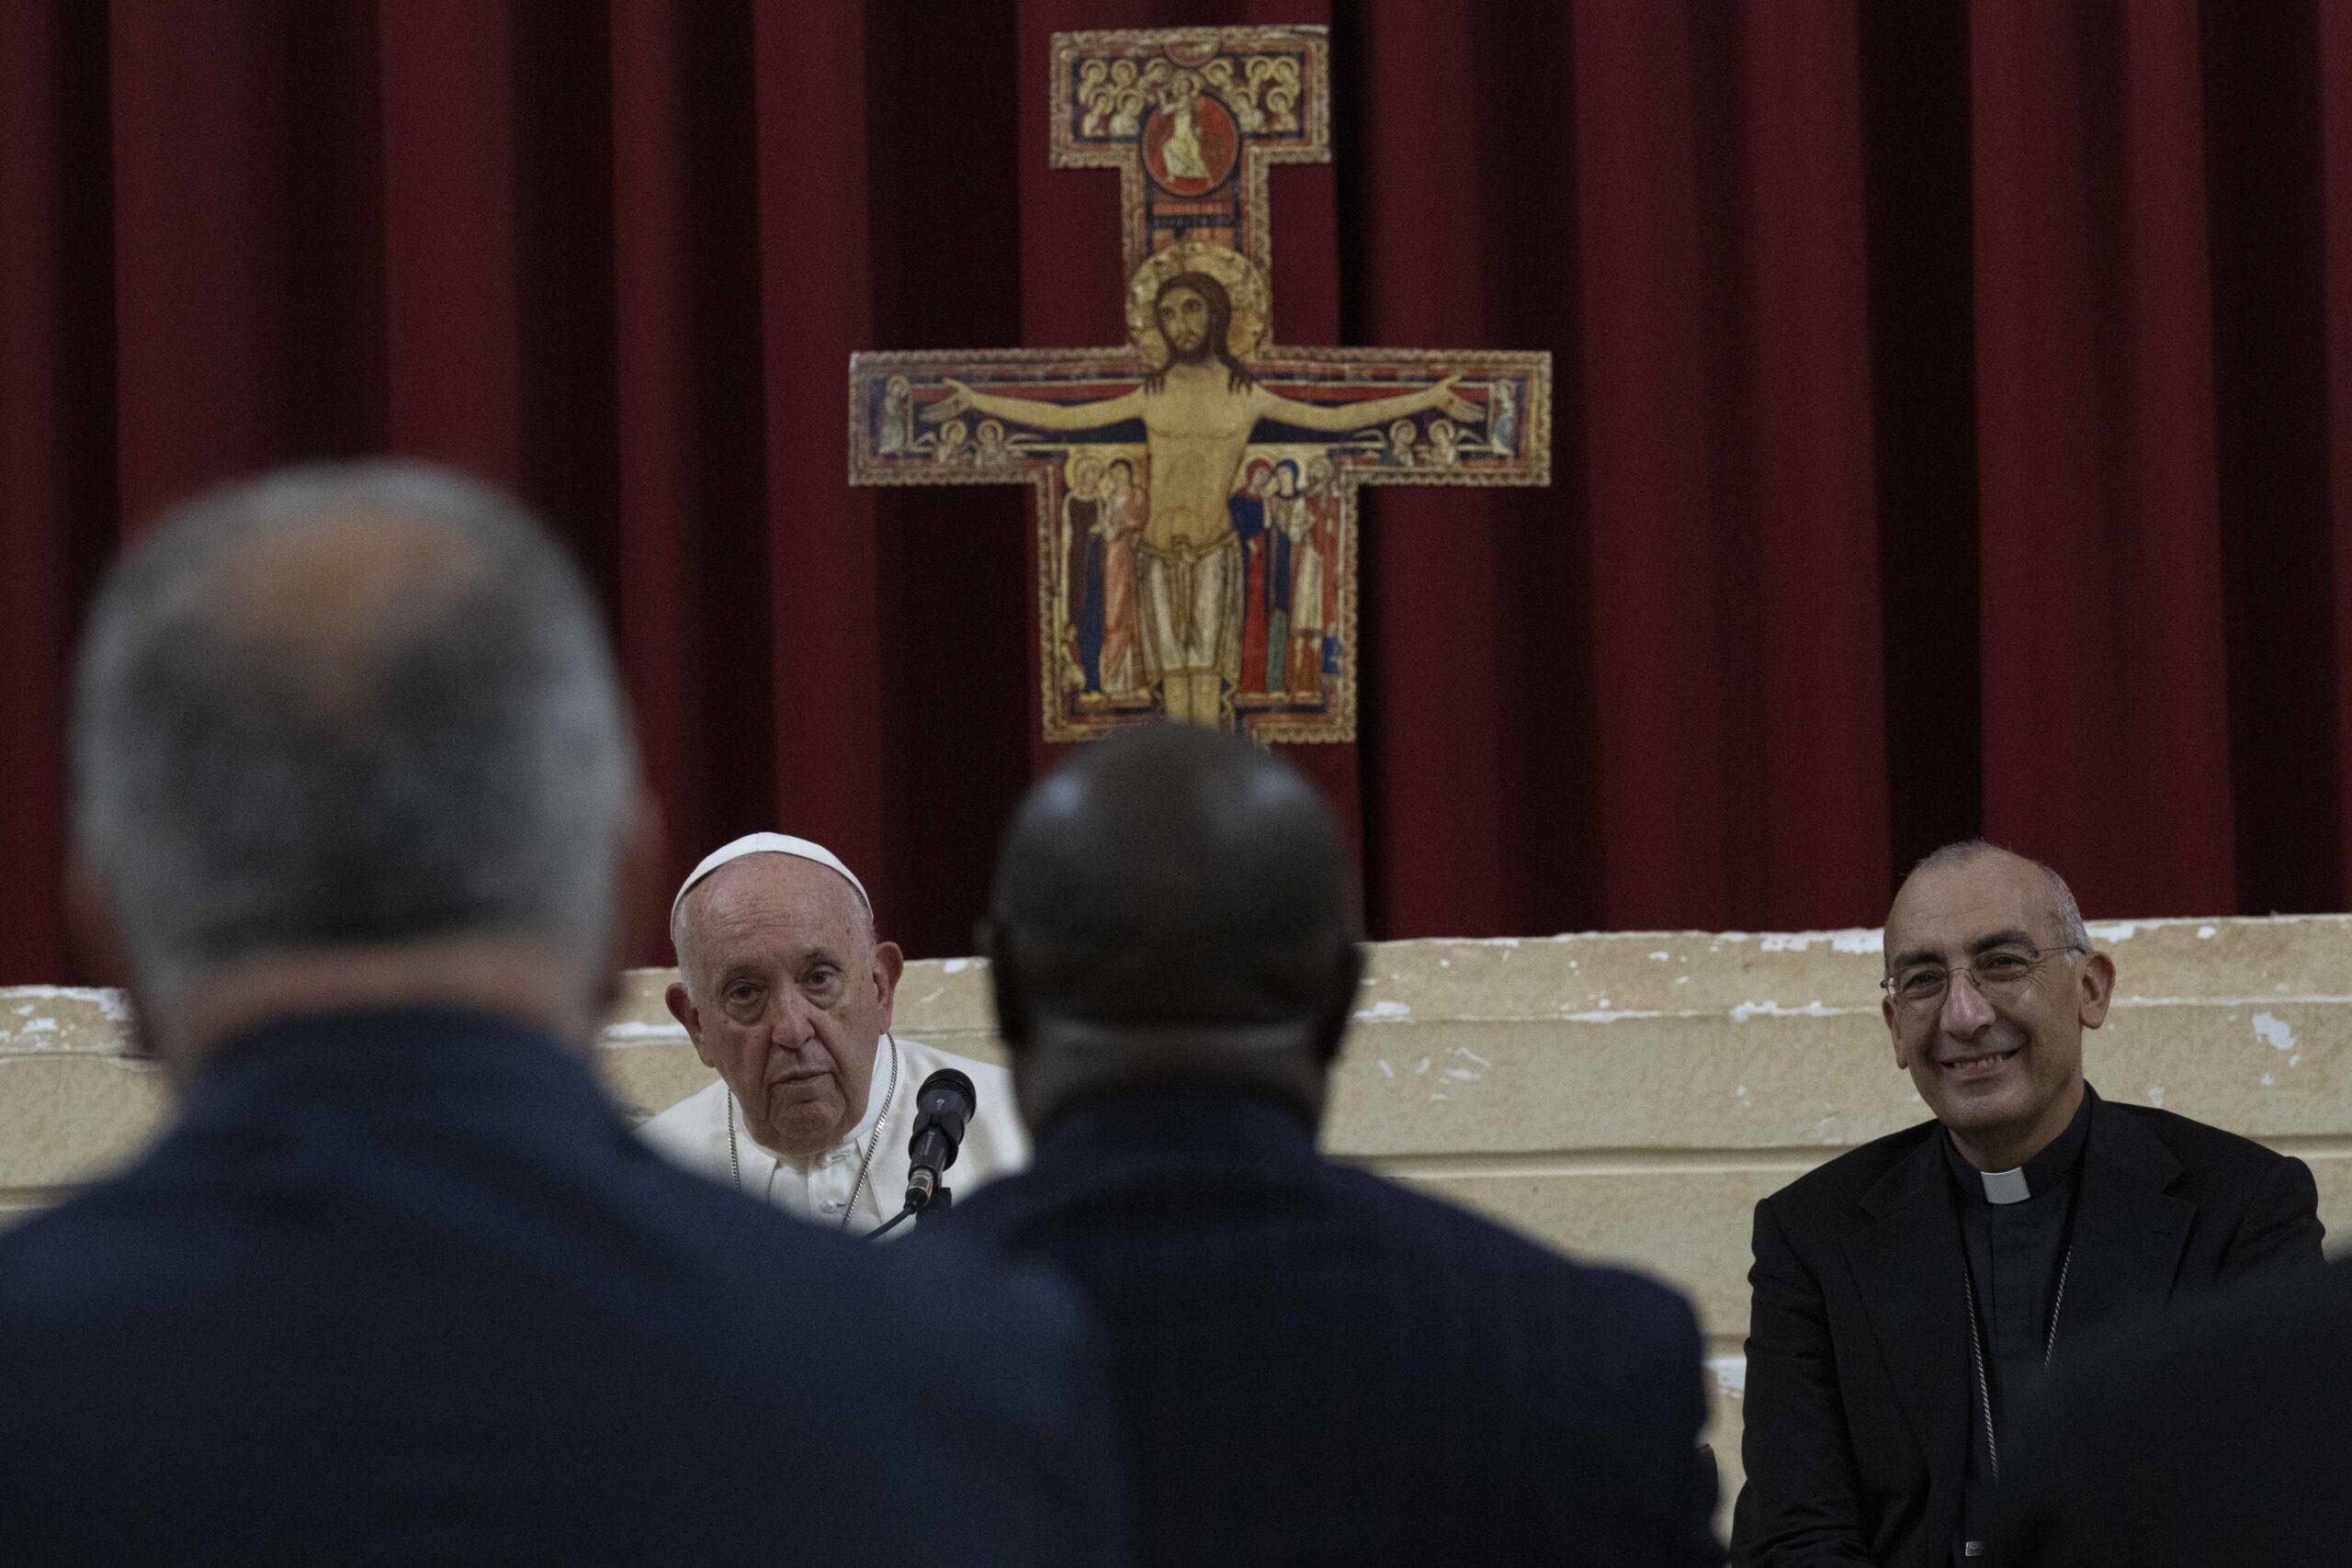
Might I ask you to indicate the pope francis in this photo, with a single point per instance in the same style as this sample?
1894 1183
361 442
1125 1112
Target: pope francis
785 991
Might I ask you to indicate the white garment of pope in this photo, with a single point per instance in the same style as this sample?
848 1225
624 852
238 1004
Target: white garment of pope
693 1134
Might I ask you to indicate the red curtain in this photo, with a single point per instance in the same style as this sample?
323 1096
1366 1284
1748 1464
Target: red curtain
1954 424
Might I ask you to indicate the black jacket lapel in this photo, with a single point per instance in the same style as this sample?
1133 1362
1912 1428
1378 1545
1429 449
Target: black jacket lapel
2129 1233
1907 1268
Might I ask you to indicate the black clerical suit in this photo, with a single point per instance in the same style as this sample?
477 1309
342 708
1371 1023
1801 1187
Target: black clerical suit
1322 1369
1862 1407
2016 1232
2221 1435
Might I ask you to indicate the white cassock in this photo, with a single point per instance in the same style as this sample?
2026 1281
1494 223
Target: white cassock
827 1187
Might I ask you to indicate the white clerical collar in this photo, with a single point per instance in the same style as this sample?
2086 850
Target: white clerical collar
2005 1186
2046 1171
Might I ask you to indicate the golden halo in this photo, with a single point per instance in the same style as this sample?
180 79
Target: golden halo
1080 459
1245 285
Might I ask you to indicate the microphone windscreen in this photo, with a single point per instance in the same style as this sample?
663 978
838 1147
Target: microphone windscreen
947 1080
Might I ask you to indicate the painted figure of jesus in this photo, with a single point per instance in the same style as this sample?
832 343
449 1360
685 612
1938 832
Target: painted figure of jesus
1181 154
1199 413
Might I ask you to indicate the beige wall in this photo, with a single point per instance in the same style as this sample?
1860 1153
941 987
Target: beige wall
1625 1097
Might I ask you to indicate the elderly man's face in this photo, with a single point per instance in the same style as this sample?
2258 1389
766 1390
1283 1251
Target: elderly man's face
789 993
1998 1060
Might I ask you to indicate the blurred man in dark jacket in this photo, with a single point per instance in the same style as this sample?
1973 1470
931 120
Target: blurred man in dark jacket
2222 1436
356 797
1316 1366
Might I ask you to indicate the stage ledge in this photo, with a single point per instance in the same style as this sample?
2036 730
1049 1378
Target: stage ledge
1623 1095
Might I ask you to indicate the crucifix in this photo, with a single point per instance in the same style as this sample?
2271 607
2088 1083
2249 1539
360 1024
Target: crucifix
1195 489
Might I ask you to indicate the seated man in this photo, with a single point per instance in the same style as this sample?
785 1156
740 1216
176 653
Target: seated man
1908 1295
1316 1365
786 992
355 793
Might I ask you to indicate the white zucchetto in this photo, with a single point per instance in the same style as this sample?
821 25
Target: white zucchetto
769 844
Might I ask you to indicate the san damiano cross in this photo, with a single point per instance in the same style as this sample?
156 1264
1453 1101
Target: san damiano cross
1196 489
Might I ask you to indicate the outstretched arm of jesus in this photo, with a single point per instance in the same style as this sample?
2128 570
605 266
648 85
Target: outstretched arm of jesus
1343 417
1036 412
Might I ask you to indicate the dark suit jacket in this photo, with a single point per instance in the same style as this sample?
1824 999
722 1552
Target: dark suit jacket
1857 1399
402 1287
2221 1437
1321 1367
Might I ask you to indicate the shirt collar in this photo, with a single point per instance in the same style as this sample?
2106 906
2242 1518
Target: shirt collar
2044 1171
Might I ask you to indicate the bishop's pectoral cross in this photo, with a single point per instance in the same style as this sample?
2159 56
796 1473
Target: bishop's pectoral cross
1197 491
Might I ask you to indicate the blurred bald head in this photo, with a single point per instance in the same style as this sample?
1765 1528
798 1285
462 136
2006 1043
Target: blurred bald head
345 707
1173 906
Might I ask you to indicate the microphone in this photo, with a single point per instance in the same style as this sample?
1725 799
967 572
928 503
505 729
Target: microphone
942 1108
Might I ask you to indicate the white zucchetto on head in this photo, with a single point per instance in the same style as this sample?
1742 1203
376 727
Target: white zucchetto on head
769 844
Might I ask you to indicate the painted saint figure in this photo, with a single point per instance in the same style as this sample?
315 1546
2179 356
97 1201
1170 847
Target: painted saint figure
1081 556
1094 90
1248 505
1502 428
1314 520
1242 101
1125 515
896 405
1401 436
1126 100
1286 526
990 450
1198 414
1445 450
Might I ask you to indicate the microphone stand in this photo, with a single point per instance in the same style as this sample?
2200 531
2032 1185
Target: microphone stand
942 1199
944 1106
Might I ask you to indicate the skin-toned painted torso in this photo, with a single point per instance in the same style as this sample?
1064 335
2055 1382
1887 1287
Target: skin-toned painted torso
1199 430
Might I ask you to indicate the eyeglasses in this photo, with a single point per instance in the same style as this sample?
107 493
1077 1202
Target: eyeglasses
1997 971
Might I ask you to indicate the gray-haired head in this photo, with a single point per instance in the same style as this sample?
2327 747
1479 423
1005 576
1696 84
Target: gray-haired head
2072 932
344 706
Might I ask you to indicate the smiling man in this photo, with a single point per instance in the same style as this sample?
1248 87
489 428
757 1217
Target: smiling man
1909 1294
785 990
